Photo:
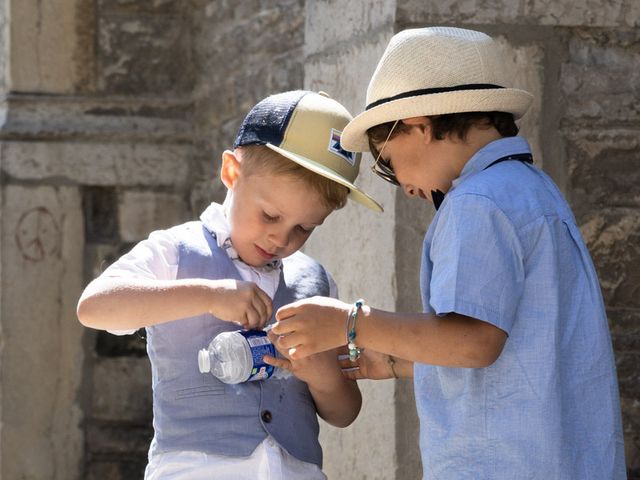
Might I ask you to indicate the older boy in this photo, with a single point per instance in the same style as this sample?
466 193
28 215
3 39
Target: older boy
514 373
286 174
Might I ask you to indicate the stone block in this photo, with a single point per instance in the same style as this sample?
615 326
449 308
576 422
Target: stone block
348 20
108 439
42 355
100 214
345 76
593 13
136 6
141 212
631 421
122 390
600 80
625 331
125 120
102 164
613 238
42 39
458 12
143 54
110 468
603 168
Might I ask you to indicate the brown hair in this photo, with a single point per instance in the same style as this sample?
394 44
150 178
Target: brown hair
443 125
259 159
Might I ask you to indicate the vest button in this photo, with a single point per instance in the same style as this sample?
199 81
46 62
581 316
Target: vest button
266 416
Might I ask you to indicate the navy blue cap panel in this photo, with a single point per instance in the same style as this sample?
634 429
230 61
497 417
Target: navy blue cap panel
267 122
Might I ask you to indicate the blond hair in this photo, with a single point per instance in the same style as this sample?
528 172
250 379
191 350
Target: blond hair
259 159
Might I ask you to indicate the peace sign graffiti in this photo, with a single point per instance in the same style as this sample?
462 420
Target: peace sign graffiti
37 234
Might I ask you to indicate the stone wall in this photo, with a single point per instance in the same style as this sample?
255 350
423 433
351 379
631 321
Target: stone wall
113 117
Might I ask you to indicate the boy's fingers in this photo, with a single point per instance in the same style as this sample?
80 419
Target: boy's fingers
352 373
266 302
299 352
255 318
285 342
277 362
286 312
284 327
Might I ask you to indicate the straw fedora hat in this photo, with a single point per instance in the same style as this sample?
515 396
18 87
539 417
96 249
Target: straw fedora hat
434 71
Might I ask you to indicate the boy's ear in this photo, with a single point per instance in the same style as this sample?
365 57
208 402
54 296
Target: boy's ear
423 124
230 170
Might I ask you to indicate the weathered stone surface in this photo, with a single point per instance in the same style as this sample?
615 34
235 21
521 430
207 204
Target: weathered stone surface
43 118
42 39
613 238
592 13
600 81
631 424
136 6
42 355
625 332
143 54
603 168
97 163
345 246
122 389
141 212
349 20
4 48
244 51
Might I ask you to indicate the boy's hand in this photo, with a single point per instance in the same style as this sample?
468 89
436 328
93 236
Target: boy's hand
371 365
241 302
311 326
313 370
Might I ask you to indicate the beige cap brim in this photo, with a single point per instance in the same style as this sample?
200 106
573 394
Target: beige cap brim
355 193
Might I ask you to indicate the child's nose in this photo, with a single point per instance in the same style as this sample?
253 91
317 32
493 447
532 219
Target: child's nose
280 238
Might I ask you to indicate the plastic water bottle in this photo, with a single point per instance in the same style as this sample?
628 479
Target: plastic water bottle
235 357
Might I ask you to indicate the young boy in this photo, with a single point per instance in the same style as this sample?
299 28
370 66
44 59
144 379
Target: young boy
286 174
512 361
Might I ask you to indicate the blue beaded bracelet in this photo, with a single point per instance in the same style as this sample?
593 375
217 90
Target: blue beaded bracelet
354 351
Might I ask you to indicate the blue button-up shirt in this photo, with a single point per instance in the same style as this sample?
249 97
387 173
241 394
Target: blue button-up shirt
504 248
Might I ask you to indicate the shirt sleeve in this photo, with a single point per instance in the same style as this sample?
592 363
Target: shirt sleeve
333 287
478 267
155 258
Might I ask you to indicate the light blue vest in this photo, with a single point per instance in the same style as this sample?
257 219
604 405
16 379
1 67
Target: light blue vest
196 412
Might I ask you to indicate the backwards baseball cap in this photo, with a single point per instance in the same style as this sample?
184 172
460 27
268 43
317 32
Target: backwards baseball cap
306 128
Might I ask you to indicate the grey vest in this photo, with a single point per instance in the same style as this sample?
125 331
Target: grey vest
195 411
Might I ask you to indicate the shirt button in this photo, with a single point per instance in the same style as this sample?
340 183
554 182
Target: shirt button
266 416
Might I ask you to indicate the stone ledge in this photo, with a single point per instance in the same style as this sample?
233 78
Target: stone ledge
26 116
122 164
591 13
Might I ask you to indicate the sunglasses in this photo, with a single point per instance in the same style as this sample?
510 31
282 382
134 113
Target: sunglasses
383 168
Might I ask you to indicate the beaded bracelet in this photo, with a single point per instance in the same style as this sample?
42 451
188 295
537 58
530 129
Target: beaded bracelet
354 351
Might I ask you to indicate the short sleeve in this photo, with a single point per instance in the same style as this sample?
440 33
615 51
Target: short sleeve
155 258
477 262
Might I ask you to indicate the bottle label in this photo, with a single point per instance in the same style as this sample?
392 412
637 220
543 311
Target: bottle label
260 346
